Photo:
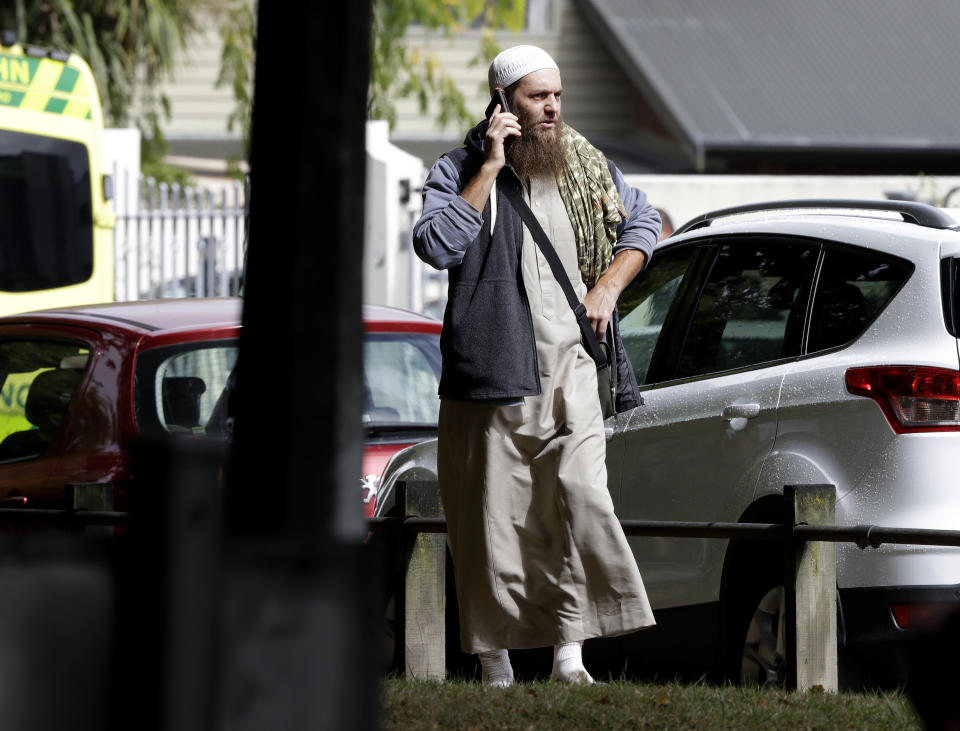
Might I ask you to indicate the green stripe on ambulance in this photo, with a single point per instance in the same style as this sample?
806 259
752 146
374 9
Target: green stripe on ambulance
55 105
67 80
45 84
11 98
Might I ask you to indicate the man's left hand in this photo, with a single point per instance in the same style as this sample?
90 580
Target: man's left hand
601 300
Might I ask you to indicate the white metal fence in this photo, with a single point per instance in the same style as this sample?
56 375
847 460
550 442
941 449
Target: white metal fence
190 242
179 242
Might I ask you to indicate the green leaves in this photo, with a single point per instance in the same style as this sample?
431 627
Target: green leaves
401 67
133 45
236 65
130 45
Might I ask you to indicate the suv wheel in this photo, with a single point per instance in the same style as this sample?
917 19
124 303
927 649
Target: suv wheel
763 660
753 605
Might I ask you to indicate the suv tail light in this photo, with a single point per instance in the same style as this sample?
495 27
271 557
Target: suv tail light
920 616
913 398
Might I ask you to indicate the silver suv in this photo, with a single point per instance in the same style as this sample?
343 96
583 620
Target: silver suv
803 342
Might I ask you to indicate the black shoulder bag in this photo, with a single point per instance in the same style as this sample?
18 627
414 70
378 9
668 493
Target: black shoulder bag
606 387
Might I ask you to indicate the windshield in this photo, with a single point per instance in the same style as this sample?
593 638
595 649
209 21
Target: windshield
46 236
401 372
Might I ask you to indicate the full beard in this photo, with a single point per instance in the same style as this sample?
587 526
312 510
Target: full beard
537 151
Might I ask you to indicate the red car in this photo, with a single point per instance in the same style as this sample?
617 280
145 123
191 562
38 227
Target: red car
79 383
401 372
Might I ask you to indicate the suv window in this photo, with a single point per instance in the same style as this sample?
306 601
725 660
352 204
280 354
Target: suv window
39 380
178 388
751 308
645 304
852 289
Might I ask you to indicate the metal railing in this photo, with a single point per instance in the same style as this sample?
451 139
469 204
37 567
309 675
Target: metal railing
68 517
809 572
864 536
89 504
179 242
809 577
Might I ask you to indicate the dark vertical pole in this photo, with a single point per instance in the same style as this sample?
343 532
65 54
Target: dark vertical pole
168 592
297 630
298 432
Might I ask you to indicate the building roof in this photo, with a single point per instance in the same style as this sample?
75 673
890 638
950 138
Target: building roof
728 76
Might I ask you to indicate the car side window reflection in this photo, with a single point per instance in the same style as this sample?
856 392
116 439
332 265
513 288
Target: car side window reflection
852 288
185 387
188 385
39 379
401 372
751 309
644 306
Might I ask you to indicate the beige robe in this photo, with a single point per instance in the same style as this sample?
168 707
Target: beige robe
539 555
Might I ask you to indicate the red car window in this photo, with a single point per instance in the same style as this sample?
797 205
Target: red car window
39 380
182 388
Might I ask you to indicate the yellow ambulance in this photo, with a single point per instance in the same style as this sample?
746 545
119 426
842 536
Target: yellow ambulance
56 225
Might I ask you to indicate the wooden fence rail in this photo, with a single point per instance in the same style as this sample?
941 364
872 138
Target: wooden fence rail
809 560
808 545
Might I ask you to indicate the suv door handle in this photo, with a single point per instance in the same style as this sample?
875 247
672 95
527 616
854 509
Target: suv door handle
741 411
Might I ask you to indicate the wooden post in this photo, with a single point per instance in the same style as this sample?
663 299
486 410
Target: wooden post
424 599
96 496
90 496
812 605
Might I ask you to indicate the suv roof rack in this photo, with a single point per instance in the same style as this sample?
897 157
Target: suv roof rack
920 214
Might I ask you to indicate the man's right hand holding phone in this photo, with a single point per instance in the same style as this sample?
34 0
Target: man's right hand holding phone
501 125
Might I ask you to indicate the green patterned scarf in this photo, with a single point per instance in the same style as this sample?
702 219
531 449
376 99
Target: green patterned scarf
592 202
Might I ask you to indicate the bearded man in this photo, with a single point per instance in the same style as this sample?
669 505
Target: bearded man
539 556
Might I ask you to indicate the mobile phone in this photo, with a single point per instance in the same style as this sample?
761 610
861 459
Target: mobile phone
498 98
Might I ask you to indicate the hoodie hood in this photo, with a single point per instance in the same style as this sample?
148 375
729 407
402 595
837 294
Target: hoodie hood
474 139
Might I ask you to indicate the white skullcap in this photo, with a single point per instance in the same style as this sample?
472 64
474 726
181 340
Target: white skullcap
515 63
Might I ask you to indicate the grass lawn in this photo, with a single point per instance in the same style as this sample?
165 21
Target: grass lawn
627 705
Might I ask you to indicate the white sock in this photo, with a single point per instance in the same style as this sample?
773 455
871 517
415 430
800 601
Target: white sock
568 664
496 667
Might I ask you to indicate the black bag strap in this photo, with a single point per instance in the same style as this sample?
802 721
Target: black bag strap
512 191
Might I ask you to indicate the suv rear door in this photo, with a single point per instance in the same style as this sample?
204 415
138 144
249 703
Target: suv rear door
713 375
825 433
